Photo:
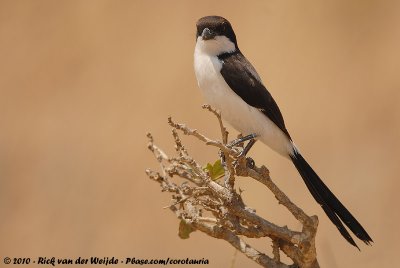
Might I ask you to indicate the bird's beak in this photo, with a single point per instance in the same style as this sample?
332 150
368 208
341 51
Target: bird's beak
207 34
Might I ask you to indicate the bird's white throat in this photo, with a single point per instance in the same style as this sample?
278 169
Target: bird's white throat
216 46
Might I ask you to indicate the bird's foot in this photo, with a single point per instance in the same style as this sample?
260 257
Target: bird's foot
250 162
222 158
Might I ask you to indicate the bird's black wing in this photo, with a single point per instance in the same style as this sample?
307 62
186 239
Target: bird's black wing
243 79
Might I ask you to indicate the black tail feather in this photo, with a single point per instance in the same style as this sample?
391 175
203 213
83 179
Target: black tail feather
333 208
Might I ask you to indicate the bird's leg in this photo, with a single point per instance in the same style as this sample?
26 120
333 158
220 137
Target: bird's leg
249 161
242 139
247 148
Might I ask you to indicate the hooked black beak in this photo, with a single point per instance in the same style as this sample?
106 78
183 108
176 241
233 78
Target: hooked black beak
207 34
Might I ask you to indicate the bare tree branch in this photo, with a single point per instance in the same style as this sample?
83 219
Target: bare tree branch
216 209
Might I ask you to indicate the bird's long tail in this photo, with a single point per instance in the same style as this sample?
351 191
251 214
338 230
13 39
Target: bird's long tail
333 208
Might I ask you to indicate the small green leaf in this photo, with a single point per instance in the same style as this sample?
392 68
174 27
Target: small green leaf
216 170
208 168
185 230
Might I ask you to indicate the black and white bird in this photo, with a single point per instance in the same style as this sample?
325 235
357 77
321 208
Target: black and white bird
231 84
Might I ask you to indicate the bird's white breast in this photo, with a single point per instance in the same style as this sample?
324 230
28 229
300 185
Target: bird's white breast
243 117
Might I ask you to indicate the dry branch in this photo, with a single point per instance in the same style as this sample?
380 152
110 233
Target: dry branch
216 209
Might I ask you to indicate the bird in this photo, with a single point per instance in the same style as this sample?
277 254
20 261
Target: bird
231 84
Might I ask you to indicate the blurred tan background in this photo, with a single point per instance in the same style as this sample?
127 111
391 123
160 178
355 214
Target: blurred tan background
81 82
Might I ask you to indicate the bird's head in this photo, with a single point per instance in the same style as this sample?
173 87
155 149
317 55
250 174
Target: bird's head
215 36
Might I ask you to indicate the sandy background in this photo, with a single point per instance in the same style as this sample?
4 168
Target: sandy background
81 82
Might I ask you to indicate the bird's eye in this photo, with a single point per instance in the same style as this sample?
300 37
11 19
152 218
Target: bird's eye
223 28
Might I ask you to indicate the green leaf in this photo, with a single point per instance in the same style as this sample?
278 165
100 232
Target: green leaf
185 230
216 170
